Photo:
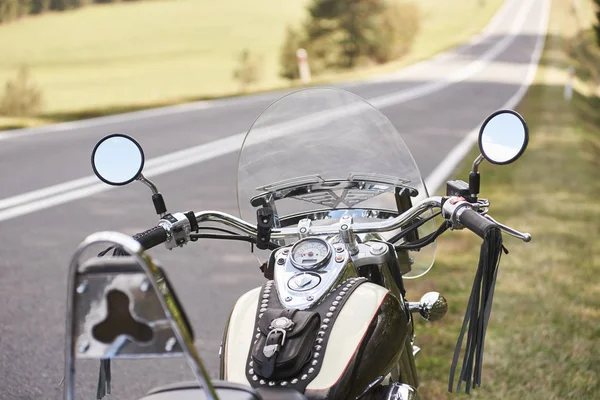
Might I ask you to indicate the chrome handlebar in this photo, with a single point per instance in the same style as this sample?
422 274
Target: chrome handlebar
178 229
362 227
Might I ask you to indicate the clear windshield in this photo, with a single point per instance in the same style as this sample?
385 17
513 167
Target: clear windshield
321 153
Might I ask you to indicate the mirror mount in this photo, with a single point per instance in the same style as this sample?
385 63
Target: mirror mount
475 179
157 198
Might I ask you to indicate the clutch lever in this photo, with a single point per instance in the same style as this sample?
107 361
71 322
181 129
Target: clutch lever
524 236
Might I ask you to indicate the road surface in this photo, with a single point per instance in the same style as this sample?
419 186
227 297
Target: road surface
49 202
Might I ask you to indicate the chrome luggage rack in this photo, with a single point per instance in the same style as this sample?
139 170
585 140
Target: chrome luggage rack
124 307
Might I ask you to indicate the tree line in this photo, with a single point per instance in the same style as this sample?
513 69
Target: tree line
344 34
13 9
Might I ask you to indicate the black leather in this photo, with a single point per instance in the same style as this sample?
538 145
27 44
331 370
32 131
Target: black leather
225 391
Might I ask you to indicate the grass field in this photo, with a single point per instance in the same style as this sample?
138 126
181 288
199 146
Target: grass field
113 58
543 341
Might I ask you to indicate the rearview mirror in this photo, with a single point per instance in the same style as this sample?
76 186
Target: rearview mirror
503 137
117 159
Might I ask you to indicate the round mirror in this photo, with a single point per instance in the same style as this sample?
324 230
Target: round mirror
503 137
117 159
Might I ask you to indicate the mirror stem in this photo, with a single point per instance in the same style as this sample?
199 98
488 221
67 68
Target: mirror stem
157 198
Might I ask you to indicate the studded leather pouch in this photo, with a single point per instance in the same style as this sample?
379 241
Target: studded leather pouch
285 342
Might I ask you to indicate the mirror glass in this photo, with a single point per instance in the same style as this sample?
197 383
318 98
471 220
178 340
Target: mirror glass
503 137
117 159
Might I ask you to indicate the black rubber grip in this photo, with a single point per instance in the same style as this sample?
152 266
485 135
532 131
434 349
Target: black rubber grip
152 237
475 222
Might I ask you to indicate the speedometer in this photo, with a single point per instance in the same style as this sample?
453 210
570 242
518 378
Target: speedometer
310 253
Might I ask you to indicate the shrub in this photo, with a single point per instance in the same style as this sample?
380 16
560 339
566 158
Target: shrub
288 65
248 70
21 96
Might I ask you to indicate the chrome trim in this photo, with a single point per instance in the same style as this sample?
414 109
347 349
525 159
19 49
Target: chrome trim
402 391
317 265
148 183
432 306
524 236
132 247
476 163
178 233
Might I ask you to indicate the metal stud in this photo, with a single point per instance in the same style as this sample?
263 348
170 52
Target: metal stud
257 335
320 340
318 347
265 296
316 355
341 294
335 303
311 370
326 320
82 287
260 316
255 378
294 381
271 383
251 371
329 314
265 301
315 362
251 363
267 291
321 333
284 383
257 329
338 298
332 309
262 382
304 377
324 326
263 309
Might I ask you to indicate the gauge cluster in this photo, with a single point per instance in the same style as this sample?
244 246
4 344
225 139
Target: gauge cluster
311 253
305 272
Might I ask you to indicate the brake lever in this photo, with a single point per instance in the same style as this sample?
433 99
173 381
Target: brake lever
524 236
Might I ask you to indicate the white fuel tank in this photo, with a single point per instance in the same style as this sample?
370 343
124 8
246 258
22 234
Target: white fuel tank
358 321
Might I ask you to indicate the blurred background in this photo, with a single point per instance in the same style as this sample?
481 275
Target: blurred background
436 69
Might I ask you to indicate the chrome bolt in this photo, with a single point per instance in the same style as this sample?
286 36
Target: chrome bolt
170 344
145 285
84 346
82 287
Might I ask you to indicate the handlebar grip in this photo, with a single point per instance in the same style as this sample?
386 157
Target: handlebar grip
152 237
475 222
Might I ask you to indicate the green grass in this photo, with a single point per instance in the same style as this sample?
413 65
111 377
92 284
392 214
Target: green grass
543 340
106 59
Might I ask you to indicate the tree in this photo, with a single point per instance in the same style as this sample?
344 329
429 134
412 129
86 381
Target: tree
13 9
248 70
288 65
597 26
21 96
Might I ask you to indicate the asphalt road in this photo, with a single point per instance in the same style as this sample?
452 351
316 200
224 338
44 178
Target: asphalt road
434 104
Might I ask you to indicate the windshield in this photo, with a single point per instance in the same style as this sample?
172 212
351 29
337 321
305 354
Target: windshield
322 153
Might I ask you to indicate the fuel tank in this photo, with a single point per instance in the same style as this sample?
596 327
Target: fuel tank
366 342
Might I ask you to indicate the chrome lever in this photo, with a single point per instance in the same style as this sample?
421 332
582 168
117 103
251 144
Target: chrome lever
524 236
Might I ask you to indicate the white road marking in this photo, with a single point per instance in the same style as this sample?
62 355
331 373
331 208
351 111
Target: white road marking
33 201
444 169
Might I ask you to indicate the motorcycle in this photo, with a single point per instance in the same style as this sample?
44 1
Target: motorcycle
336 210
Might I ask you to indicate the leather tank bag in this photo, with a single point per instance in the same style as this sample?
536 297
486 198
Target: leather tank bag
289 344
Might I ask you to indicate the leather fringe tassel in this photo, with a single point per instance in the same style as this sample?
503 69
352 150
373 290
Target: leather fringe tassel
478 313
